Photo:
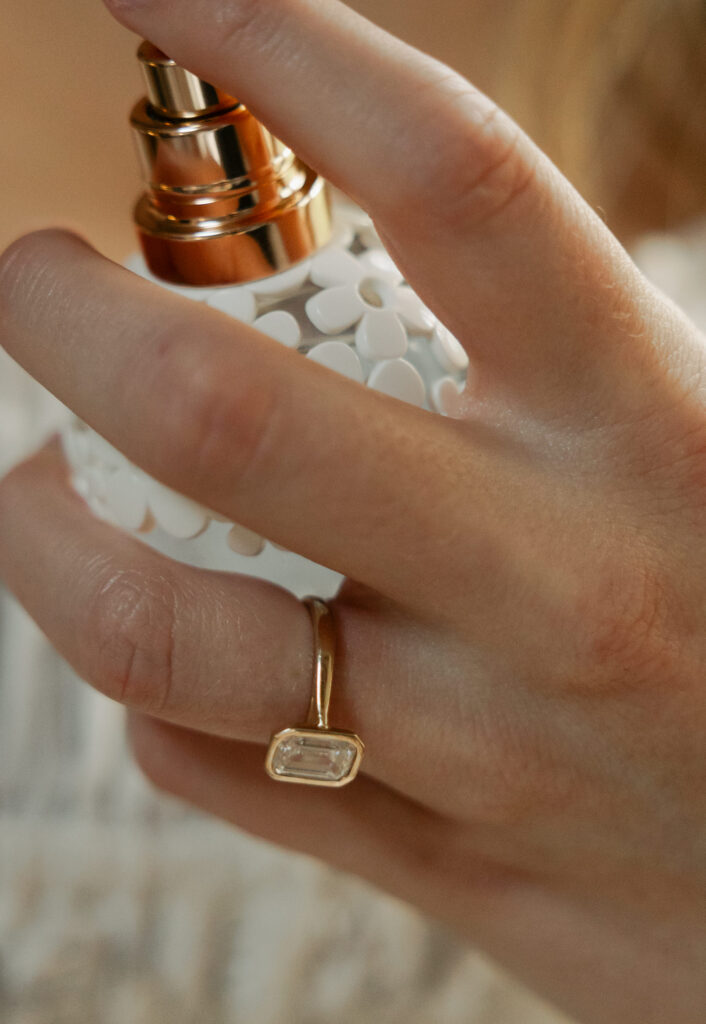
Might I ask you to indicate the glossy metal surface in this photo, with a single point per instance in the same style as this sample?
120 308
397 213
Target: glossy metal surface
317 723
175 92
227 202
324 651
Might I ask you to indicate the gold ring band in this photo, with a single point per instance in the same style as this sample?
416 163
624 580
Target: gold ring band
314 754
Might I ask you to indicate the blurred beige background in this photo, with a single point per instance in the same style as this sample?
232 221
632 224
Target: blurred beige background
68 77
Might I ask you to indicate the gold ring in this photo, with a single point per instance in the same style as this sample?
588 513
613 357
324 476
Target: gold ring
313 754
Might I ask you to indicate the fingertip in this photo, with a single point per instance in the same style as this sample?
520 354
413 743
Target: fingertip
119 7
27 257
47 233
151 746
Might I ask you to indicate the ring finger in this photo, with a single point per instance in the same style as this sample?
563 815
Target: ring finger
216 652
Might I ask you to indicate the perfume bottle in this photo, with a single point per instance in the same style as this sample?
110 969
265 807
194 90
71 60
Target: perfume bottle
232 218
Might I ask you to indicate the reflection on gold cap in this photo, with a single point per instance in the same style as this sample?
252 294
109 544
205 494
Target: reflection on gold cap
226 201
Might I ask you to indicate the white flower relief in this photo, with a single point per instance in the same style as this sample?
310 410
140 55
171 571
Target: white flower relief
366 292
242 303
126 496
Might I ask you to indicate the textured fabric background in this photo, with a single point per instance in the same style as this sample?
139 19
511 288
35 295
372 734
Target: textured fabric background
121 906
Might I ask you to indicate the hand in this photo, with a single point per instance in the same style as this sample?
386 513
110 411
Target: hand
523 649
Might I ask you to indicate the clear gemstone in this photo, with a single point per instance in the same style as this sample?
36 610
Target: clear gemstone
324 757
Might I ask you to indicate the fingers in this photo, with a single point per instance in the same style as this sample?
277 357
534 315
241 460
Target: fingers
325 80
217 652
365 828
307 458
481 223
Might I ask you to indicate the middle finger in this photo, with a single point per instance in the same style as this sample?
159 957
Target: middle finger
324 466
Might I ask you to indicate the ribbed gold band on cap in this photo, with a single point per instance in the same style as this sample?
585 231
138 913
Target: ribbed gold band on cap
226 202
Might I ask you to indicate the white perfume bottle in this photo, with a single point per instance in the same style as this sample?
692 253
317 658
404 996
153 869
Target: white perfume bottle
232 218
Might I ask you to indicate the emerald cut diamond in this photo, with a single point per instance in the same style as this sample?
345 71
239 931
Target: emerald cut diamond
316 756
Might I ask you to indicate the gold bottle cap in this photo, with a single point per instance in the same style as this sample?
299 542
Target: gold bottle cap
226 201
175 92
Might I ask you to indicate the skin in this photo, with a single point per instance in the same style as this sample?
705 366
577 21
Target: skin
521 640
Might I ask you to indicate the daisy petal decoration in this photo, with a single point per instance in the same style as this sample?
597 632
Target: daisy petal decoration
398 379
237 302
380 335
446 396
334 266
335 309
448 351
281 326
366 292
336 355
245 542
281 285
359 221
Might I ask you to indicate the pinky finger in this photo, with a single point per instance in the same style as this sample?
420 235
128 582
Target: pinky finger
365 828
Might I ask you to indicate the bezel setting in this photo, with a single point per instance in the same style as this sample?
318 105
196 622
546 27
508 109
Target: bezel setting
346 752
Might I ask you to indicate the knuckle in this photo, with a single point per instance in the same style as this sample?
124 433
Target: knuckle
244 23
633 625
132 629
480 162
494 180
